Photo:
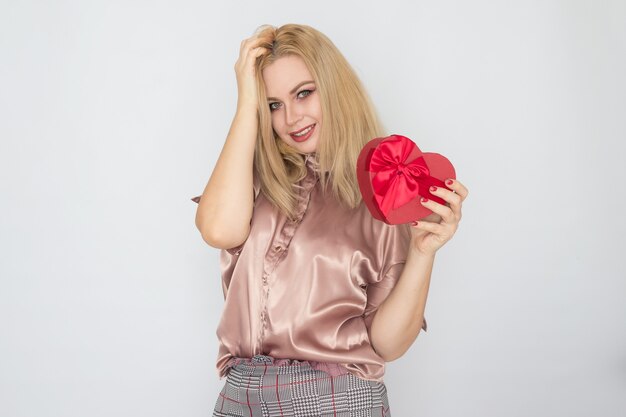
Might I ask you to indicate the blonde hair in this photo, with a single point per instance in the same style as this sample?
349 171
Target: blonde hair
349 120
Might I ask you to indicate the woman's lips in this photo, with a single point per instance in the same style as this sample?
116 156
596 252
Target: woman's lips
305 137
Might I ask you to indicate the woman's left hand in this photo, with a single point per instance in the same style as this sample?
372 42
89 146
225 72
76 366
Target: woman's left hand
434 230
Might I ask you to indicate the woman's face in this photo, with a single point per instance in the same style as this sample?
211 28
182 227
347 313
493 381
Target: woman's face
294 102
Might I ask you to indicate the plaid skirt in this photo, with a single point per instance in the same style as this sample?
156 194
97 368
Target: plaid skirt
257 387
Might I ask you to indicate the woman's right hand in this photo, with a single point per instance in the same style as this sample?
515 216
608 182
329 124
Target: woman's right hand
244 69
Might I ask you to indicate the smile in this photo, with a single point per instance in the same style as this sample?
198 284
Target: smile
303 134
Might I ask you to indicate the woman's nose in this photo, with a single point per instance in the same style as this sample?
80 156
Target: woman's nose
292 116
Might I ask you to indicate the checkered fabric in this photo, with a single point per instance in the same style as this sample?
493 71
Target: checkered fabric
259 388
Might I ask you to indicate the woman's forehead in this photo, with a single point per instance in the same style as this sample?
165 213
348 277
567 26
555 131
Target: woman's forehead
284 74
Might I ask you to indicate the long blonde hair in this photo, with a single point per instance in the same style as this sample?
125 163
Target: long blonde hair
349 120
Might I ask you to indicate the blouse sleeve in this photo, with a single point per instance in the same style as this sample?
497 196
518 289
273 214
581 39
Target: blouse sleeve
394 246
256 184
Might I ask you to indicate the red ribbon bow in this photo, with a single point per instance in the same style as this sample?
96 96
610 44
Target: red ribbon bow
397 182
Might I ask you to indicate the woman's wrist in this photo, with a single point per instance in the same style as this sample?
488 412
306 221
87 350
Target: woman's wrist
246 104
416 253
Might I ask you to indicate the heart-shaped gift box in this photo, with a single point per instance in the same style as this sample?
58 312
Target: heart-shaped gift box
393 175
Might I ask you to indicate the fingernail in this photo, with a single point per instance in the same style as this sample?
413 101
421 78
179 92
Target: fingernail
414 223
433 189
424 199
449 182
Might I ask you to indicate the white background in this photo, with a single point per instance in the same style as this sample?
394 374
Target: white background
113 114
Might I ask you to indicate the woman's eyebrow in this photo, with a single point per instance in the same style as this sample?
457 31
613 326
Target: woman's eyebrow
293 90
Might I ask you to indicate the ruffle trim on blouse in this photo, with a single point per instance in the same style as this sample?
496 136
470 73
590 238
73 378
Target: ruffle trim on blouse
304 187
311 161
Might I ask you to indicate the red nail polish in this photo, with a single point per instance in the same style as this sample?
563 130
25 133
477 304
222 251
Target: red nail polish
424 199
449 182
433 189
415 223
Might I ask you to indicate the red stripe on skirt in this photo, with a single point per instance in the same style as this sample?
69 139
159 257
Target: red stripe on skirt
278 396
332 387
248 394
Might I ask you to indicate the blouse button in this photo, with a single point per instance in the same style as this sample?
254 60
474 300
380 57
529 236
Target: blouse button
278 247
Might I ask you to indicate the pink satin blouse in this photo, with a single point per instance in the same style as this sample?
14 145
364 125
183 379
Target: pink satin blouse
307 289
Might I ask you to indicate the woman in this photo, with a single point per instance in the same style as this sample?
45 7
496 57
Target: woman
318 293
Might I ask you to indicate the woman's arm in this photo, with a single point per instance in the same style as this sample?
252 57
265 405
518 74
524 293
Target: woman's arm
225 207
399 318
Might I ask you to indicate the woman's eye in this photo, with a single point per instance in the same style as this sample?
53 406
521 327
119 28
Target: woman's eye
305 91
275 105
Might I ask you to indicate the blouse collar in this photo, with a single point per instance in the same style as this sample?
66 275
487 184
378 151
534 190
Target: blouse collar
310 160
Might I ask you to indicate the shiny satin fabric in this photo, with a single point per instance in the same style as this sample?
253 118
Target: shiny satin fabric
307 289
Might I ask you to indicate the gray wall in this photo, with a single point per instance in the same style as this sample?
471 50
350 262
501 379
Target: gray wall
113 114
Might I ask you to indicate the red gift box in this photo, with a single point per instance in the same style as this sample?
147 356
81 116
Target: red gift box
393 175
